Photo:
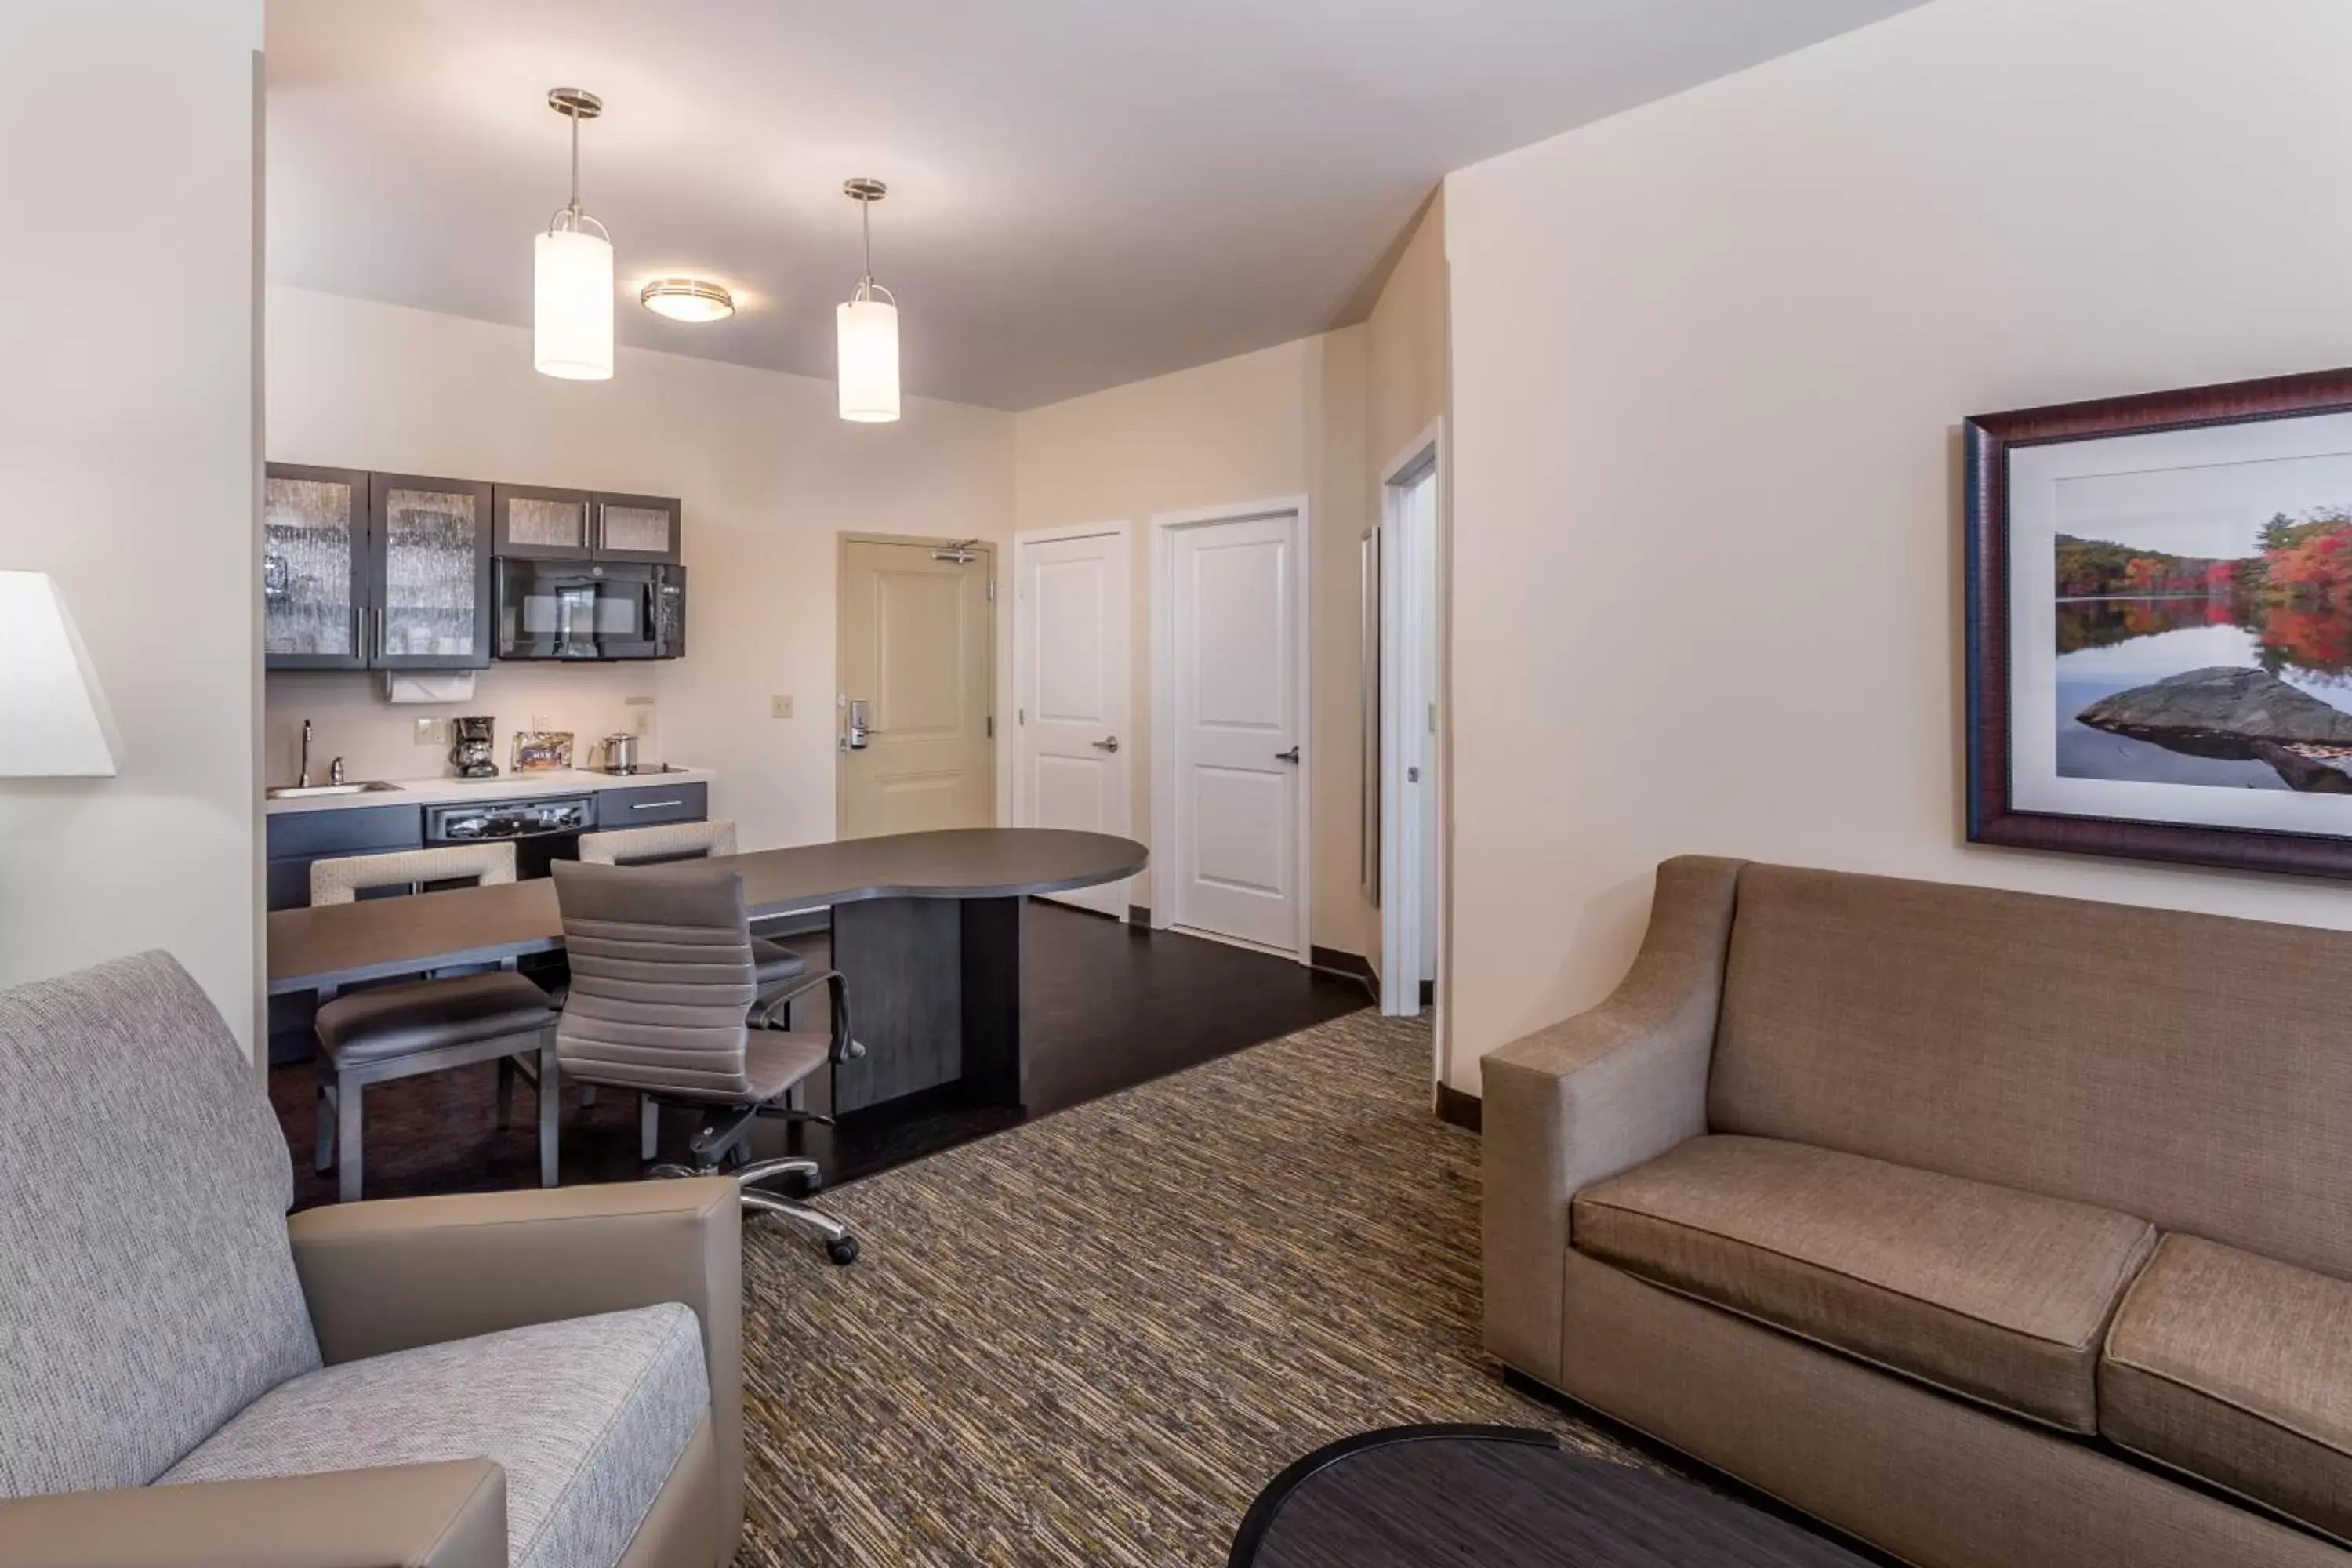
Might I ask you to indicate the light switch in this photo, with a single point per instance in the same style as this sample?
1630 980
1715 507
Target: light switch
779 707
433 731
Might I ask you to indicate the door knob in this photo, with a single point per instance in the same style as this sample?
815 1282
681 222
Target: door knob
1289 756
1110 745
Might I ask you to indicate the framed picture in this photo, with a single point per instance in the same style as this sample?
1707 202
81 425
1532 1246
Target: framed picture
2159 627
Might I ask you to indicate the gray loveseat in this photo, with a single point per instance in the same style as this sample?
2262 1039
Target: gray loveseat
2001 1231
187 1377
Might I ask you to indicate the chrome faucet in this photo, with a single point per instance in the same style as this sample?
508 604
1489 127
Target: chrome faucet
302 780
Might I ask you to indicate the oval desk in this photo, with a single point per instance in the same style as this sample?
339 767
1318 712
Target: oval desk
925 928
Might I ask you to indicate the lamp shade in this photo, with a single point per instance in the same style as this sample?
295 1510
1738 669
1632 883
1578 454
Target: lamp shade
573 280
869 360
54 721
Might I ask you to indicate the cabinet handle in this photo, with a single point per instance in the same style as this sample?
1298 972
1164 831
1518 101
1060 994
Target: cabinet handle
359 639
379 634
652 805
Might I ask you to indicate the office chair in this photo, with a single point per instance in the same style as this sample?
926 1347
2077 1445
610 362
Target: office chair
667 842
665 1000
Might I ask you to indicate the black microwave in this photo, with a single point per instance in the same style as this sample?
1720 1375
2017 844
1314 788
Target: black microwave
589 609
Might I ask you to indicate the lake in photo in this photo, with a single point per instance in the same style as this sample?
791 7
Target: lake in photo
2207 650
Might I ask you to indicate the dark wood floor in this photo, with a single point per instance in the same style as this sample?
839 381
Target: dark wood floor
1105 1006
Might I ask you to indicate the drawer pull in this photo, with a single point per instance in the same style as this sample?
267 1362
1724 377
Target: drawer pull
652 805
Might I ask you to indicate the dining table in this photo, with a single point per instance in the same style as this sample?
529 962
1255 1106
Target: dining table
925 929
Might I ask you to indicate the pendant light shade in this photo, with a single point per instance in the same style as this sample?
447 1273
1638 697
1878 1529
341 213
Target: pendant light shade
571 273
574 316
869 360
867 326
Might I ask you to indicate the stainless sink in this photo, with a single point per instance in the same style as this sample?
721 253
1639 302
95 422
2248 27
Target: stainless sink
312 791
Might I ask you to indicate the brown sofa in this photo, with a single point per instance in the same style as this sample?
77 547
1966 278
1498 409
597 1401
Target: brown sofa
2000 1231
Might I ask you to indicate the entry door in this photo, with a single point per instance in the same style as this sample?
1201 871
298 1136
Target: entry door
1072 742
1238 702
917 652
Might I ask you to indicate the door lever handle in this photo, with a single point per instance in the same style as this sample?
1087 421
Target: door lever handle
1289 756
1110 745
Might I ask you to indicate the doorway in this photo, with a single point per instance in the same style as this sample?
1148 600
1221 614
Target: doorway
1230 772
915 707
1409 888
1073 746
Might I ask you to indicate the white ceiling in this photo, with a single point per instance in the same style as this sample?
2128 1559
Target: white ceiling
1082 192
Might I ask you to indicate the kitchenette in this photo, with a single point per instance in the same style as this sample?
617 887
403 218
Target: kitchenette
454 661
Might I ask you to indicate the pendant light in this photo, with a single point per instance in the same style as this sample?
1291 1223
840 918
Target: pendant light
868 326
572 272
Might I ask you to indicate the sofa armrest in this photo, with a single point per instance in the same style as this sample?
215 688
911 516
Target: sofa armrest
1595 1095
447 1515
397 1273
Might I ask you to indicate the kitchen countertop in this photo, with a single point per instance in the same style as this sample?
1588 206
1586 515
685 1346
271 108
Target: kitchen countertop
446 790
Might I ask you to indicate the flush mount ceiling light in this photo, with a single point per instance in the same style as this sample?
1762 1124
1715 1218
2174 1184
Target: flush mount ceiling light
869 327
688 300
572 272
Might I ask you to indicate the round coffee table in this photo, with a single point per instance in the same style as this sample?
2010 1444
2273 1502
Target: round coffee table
1501 1496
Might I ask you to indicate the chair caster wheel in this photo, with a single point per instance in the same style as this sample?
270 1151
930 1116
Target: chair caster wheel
842 1252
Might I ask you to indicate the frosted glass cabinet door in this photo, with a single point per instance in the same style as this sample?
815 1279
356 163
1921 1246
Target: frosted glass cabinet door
432 589
314 567
539 524
637 527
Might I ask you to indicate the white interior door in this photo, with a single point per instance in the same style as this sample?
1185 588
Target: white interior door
1072 741
1237 711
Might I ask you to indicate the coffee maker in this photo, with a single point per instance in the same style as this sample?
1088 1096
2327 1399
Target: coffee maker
476 753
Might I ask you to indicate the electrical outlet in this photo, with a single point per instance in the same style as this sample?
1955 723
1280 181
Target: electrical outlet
433 731
641 715
540 722
779 707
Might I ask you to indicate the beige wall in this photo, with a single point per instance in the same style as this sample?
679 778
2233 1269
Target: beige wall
1406 343
770 476
1709 360
1288 420
129 147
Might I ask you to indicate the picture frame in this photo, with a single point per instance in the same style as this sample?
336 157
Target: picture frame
2158 629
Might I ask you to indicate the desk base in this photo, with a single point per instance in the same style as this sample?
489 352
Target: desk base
934 996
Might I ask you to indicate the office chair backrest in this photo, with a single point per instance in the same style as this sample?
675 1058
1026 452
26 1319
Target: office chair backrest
661 977
343 878
663 841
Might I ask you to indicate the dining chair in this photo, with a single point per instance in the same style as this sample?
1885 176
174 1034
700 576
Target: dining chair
387 1032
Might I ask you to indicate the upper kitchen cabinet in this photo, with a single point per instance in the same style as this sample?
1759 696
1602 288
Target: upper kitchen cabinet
430 588
314 567
637 527
539 524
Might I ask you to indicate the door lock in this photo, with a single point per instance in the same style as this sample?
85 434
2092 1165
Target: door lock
853 737
1110 745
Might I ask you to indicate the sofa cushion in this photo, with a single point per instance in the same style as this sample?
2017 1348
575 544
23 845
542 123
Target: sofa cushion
585 1416
1981 1290
2237 1370
147 1293
2187 1068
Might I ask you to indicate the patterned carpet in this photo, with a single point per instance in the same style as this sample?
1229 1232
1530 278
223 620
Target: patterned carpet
1095 1338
